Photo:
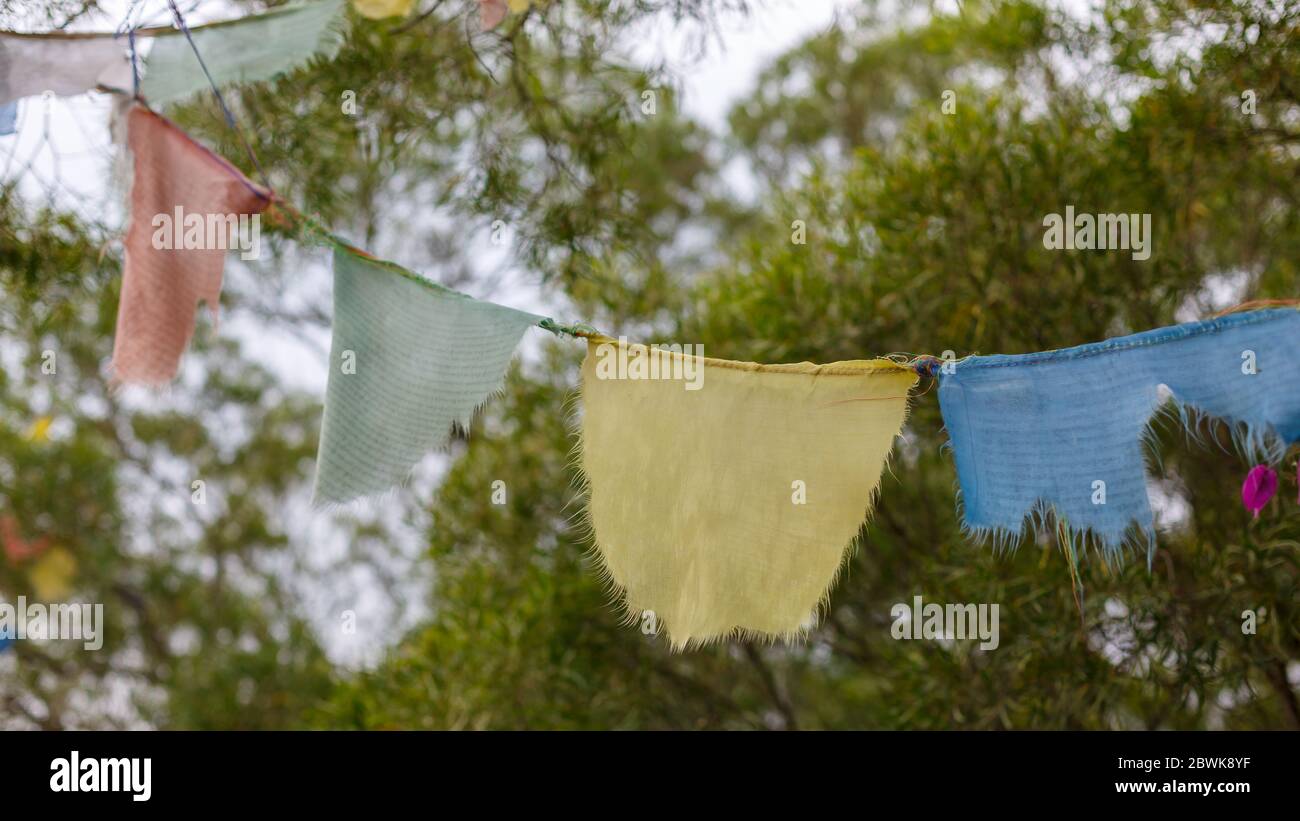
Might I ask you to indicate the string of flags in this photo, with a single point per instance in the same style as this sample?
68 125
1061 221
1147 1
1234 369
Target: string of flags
249 49
738 522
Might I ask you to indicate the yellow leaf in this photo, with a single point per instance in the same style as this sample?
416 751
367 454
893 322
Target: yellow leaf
51 576
40 430
518 6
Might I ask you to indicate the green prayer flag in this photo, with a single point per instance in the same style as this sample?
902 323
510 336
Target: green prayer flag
408 360
255 48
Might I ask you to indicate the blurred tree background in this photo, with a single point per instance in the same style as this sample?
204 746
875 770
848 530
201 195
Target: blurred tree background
924 234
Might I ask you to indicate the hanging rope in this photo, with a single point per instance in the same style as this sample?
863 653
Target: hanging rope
230 118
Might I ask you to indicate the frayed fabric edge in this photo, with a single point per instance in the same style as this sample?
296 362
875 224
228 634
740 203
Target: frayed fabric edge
1260 442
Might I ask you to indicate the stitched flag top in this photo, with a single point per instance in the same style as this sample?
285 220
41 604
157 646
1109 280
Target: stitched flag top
1064 429
729 509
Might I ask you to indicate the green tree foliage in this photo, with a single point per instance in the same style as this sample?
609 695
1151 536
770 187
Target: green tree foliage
924 234
924 227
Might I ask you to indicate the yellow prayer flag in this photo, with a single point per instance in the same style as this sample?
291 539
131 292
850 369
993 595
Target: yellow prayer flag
725 496
379 9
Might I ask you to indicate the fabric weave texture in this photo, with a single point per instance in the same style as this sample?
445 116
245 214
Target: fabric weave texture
161 288
729 510
409 360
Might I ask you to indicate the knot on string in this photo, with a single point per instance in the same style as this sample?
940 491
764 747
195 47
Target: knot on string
216 92
927 365
576 330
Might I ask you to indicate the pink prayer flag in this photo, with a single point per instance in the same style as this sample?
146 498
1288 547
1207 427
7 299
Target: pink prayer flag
491 13
16 548
186 207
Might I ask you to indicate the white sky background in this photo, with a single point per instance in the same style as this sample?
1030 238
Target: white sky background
64 152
